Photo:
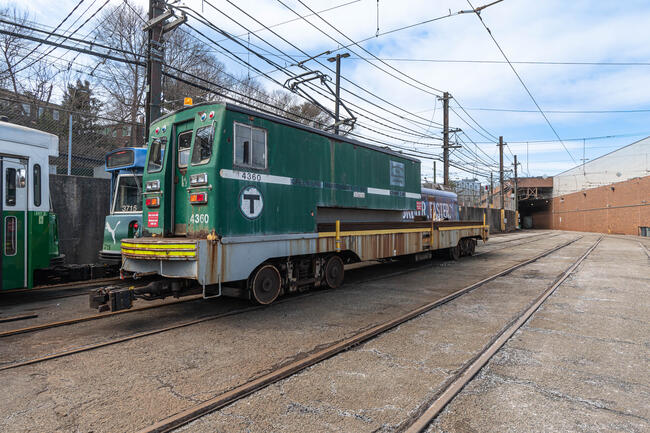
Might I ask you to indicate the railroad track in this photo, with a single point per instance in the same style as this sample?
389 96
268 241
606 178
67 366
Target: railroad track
73 321
250 387
90 347
462 378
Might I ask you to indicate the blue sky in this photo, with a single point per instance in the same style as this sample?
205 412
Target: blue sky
527 30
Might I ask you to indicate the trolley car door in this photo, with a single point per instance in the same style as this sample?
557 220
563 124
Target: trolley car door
14 223
182 140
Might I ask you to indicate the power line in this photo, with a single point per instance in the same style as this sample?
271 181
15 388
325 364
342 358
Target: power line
478 15
55 29
503 62
208 23
517 110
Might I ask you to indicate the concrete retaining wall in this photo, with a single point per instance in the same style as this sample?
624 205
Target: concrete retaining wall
493 217
81 204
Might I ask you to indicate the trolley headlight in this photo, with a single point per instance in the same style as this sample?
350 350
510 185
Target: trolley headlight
152 185
199 179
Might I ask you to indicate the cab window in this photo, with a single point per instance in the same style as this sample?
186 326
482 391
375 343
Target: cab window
128 197
250 146
184 143
156 152
37 185
10 187
202 145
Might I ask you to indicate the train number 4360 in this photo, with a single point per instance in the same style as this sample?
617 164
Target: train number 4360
199 218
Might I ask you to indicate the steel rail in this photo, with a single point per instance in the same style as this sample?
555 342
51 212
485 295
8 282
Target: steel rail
72 285
188 299
250 387
420 423
93 317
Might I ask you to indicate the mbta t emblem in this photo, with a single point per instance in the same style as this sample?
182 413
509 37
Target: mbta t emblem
251 202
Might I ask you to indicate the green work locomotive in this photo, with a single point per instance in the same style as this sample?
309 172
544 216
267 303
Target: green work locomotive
248 204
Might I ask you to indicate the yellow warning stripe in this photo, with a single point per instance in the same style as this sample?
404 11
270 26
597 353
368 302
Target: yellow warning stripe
393 231
160 246
460 228
159 253
373 232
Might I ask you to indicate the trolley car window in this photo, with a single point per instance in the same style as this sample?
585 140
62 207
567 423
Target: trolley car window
37 185
10 187
122 158
184 143
10 236
127 194
203 145
250 146
156 152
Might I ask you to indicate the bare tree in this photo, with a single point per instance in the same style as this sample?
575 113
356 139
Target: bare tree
19 55
124 83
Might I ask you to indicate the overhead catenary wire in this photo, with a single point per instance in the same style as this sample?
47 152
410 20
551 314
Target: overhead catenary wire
478 15
195 14
422 120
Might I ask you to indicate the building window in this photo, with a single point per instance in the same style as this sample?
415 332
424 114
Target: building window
10 187
55 115
126 131
114 134
40 111
37 185
10 235
250 146
27 109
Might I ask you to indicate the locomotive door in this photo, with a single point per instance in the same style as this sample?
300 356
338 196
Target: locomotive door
14 223
181 202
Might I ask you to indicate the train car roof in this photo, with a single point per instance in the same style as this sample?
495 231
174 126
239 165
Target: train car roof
12 134
287 122
439 193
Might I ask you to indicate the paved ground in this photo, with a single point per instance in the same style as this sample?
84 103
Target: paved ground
373 387
581 363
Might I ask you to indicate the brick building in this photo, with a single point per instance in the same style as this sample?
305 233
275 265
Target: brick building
609 194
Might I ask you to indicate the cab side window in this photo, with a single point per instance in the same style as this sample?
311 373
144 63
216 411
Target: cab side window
10 187
250 146
37 185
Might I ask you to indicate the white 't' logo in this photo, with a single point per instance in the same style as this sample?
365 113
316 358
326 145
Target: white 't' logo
112 231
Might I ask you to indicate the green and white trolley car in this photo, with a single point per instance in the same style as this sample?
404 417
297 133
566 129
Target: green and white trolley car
29 228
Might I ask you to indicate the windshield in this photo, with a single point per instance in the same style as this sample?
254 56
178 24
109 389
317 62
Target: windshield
202 145
156 152
127 194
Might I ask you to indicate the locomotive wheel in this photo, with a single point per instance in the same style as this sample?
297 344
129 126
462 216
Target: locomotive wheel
472 247
334 272
266 285
454 252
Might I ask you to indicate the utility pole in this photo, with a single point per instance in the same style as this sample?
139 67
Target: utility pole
491 199
154 64
156 27
501 171
434 172
516 185
337 59
445 138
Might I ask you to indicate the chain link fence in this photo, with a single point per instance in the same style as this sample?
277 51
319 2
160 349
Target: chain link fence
84 138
